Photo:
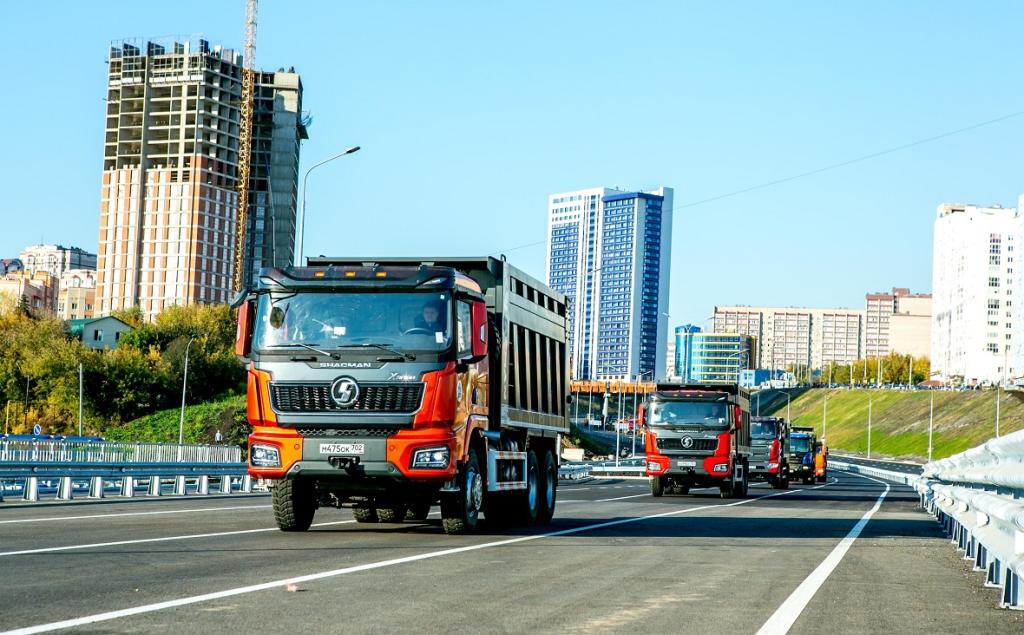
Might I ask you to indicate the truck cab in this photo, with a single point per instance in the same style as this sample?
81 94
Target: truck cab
801 454
768 446
697 436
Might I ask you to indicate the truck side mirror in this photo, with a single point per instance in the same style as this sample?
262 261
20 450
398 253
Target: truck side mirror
246 320
640 419
479 334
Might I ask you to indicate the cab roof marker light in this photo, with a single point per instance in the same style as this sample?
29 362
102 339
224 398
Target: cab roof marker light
382 274
350 274
438 280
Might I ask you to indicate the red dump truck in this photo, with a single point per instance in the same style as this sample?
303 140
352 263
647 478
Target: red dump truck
697 436
391 385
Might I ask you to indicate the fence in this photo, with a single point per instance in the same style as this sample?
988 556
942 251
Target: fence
97 466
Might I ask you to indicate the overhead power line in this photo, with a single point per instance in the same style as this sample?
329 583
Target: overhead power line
826 168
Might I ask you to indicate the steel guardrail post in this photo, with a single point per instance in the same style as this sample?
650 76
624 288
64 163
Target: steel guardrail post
128 486
154 486
31 490
96 487
180 486
203 486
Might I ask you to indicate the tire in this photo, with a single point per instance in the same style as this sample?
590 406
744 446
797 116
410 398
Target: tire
365 514
548 488
657 487
682 489
460 513
725 490
528 501
744 485
391 514
418 512
295 504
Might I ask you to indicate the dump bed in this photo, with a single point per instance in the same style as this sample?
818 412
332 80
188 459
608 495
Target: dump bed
529 372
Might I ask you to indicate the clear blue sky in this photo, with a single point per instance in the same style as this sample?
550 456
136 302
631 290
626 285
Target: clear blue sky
471 113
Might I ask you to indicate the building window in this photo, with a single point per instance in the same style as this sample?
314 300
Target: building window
97 335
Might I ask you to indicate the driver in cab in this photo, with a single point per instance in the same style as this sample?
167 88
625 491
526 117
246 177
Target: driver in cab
431 318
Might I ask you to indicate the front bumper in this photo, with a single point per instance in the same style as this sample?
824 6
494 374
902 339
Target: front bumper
687 466
381 457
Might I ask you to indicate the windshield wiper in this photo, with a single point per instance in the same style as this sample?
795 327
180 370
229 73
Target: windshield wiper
312 347
406 356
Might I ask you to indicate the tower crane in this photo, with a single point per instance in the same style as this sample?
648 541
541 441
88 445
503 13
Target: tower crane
245 142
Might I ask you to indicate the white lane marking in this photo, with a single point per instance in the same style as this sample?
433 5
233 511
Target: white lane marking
264 586
139 541
786 615
618 498
168 511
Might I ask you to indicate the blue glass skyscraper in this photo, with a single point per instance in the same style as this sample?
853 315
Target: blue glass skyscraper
609 251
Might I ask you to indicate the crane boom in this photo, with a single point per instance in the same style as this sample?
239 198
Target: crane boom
245 142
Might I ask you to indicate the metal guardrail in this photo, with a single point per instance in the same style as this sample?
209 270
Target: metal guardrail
977 497
99 465
573 472
26 450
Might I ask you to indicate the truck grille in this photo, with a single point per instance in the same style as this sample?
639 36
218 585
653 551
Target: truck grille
699 445
372 398
348 432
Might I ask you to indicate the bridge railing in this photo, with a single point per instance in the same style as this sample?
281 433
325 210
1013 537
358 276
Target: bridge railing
33 450
978 498
26 465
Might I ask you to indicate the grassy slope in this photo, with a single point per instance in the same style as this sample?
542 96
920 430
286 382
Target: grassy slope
899 426
202 421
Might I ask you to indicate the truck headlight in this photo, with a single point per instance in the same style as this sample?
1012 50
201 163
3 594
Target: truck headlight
264 456
721 467
431 458
653 466
772 466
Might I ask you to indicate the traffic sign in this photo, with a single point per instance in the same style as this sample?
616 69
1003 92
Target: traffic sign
37 429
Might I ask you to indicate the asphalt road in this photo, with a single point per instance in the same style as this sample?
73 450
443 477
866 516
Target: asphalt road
614 560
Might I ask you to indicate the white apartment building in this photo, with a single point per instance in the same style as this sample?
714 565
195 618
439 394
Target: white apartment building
976 291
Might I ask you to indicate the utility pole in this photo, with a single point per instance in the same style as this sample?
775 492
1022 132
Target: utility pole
24 415
618 426
7 417
931 422
576 409
869 424
184 385
910 371
80 399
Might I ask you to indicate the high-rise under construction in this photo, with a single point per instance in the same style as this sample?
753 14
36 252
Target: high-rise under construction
169 199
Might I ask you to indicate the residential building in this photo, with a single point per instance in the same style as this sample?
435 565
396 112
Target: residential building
98 333
609 251
976 326
795 338
76 298
670 360
11 265
38 291
878 311
56 259
713 357
910 328
169 199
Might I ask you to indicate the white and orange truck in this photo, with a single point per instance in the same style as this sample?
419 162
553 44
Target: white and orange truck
389 385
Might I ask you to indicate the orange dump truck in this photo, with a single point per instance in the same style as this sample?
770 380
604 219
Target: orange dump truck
392 385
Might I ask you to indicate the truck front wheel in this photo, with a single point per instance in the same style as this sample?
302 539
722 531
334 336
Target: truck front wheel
460 512
294 503
657 486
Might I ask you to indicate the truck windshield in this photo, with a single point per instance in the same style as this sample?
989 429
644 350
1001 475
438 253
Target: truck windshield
799 446
762 429
708 413
405 321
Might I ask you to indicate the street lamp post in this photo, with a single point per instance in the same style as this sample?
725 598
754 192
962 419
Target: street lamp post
869 423
931 421
80 372
301 232
184 385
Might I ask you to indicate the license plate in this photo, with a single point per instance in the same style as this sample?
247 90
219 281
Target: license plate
686 463
342 448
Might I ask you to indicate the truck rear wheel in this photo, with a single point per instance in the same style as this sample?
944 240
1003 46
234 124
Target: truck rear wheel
548 488
460 513
528 501
391 514
365 514
418 512
294 504
657 486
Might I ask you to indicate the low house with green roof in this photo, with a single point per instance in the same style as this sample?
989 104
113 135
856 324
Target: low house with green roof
98 333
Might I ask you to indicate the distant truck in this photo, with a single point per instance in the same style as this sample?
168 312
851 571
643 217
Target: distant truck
391 385
807 458
697 436
769 444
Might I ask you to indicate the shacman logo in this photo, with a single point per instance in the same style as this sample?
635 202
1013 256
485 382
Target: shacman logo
687 442
344 391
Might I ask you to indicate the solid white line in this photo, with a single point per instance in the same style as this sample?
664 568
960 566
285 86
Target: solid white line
786 615
138 541
169 511
195 599
618 498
